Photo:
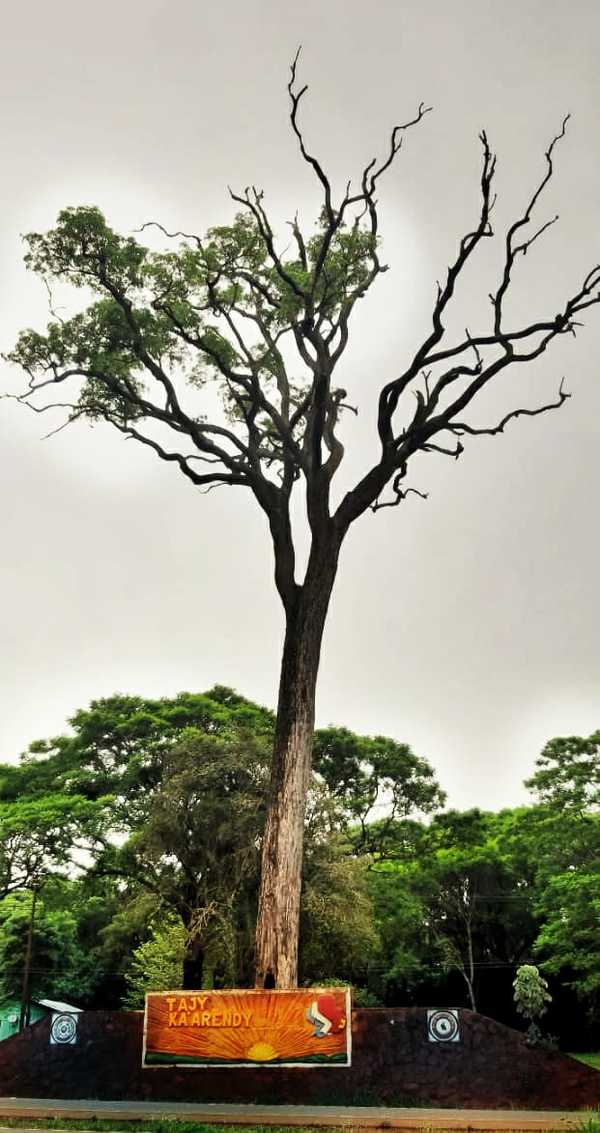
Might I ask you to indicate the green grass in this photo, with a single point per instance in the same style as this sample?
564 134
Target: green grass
100 1125
589 1124
591 1058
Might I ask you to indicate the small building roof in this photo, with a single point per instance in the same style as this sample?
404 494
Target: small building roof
57 1005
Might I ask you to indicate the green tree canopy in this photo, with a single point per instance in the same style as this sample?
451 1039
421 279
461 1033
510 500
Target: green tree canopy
460 899
120 746
45 833
567 774
157 964
376 782
60 968
566 828
188 778
338 936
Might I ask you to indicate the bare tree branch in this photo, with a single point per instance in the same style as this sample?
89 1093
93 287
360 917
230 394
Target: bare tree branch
460 427
512 249
400 494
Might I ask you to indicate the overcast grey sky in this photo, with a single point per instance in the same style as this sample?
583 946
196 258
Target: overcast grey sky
465 625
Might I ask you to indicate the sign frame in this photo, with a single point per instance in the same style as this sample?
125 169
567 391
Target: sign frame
234 1064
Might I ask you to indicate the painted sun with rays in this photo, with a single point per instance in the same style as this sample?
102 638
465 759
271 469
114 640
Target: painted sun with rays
249 1028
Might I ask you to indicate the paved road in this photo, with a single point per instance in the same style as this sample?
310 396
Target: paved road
356 1117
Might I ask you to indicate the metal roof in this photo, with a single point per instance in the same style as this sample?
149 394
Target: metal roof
57 1005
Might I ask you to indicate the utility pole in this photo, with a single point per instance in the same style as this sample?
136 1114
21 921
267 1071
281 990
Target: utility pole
25 997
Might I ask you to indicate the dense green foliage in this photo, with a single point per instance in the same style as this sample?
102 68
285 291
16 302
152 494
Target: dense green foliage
181 837
567 787
464 890
157 964
60 960
141 830
531 998
41 832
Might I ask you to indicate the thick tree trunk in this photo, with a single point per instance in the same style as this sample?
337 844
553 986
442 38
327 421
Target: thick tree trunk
281 875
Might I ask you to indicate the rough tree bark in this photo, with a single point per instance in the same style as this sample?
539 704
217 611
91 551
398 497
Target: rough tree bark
281 873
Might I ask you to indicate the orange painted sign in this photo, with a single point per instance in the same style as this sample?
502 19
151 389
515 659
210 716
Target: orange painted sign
308 1027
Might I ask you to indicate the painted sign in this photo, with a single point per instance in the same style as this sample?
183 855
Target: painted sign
307 1027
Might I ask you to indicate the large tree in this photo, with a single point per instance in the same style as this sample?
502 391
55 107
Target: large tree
269 327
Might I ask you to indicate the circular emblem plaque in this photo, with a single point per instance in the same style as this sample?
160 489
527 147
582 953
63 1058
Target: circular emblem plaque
443 1026
64 1029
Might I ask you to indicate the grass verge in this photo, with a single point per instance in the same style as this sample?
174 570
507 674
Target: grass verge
100 1125
591 1058
590 1123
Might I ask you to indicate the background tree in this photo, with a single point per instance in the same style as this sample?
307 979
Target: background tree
376 783
568 773
188 779
566 828
44 833
456 898
117 747
338 936
531 998
567 944
405 962
60 968
121 929
157 964
270 326
197 851
405 909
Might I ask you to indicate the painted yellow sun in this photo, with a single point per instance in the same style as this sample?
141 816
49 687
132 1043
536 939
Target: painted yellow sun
261 1052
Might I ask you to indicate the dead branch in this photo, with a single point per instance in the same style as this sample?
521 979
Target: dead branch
460 427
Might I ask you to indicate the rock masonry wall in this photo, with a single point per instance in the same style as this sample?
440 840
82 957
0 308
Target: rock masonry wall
393 1063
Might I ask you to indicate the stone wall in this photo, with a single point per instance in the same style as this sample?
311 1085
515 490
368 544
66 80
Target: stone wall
393 1063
